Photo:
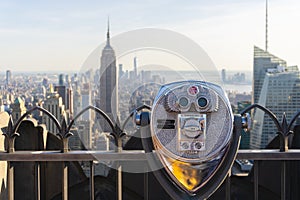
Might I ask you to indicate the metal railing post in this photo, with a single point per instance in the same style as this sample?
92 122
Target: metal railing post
119 175
92 186
38 180
64 135
256 167
10 181
10 136
65 181
283 180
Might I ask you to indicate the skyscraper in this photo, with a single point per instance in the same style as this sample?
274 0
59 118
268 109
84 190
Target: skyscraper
8 77
54 105
263 61
61 79
61 89
65 91
224 75
135 67
121 72
86 100
18 109
108 89
276 86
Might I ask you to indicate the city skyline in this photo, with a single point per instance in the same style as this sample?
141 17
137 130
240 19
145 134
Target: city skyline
48 36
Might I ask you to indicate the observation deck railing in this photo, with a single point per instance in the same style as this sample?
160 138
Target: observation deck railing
283 154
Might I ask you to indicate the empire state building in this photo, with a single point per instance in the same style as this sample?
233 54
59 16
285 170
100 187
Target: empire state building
108 90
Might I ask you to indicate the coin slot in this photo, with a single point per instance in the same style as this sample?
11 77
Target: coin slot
166 123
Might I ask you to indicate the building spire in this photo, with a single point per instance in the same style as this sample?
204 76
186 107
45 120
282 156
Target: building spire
107 35
266 26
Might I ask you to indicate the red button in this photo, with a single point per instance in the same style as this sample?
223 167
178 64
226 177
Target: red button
193 90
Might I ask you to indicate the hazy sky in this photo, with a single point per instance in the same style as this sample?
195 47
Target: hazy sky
59 35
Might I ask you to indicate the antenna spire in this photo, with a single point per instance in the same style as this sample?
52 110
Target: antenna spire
266 26
107 35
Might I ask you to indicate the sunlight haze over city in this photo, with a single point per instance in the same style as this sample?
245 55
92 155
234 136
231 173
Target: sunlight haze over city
60 35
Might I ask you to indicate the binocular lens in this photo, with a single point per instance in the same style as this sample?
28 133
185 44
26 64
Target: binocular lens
183 101
202 102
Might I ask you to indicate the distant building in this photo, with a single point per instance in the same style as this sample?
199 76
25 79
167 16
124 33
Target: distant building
18 109
84 129
132 76
61 79
276 87
62 91
77 101
135 67
224 75
235 97
54 105
108 90
157 79
2 109
263 61
146 76
143 95
45 82
65 91
86 100
70 99
238 78
121 72
8 77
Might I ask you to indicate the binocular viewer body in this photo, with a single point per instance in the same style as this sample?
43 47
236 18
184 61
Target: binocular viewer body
192 133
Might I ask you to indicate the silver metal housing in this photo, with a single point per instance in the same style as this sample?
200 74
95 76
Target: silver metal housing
191 135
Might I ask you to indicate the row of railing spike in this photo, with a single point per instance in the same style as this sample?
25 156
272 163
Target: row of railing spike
117 131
